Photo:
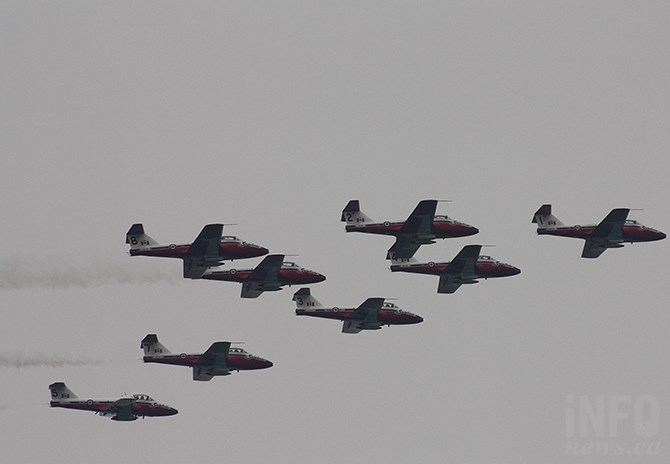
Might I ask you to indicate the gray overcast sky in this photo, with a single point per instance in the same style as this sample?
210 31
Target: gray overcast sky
273 115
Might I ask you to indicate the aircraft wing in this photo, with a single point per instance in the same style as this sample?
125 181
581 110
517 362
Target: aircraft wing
421 220
366 316
611 228
460 270
594 248
403 248
122 409
412 235
203 252
352 327
607 234
264 277
448 283
216 356
368 310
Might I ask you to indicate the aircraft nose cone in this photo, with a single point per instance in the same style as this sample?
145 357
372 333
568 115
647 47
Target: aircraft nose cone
514 271
418 319
171 411
319 277
267 363
261 251
660 236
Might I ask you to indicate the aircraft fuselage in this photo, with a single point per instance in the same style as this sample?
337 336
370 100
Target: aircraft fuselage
285 277
138 408
484 268
227 251
385 316
234 362
439 229
631 232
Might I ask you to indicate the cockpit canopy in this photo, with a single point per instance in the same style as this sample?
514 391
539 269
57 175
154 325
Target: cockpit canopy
290 264
237 351
388 305
229 238
143 397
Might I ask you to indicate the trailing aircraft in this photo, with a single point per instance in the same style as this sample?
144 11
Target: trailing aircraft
219 359
372 314
465 268
123 409
611 232
209 249
422 227
270 275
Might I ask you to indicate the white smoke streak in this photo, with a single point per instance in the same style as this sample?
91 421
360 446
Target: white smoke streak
16 275
21 360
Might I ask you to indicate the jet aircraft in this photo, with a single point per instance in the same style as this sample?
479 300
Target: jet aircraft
612 231
123 409
422 227
209 249
465 268
270 275
371 315
219 359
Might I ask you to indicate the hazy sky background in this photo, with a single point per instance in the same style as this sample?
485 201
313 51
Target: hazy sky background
273 115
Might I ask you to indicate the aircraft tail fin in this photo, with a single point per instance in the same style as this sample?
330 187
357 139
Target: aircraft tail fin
303 299
60 392
152 347
352 214
544 219
137 239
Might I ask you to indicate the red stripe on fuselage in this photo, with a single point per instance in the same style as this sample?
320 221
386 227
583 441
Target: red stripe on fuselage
227 251
440 229
630 234
484 270
235 362
385 316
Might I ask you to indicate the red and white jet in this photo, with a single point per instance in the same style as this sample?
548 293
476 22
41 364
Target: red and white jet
209 249
612 231
465 268
371 315
124 409
270 275
422 227
219 359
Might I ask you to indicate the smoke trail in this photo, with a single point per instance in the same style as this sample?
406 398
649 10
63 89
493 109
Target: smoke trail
20 360
17 275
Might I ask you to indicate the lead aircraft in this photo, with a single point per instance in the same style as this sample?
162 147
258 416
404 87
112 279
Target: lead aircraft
465 268
422 227
611 232
270 275
123 409
372 314
209 249
219 359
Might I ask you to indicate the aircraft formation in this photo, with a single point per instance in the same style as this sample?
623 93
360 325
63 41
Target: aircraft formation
203 258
